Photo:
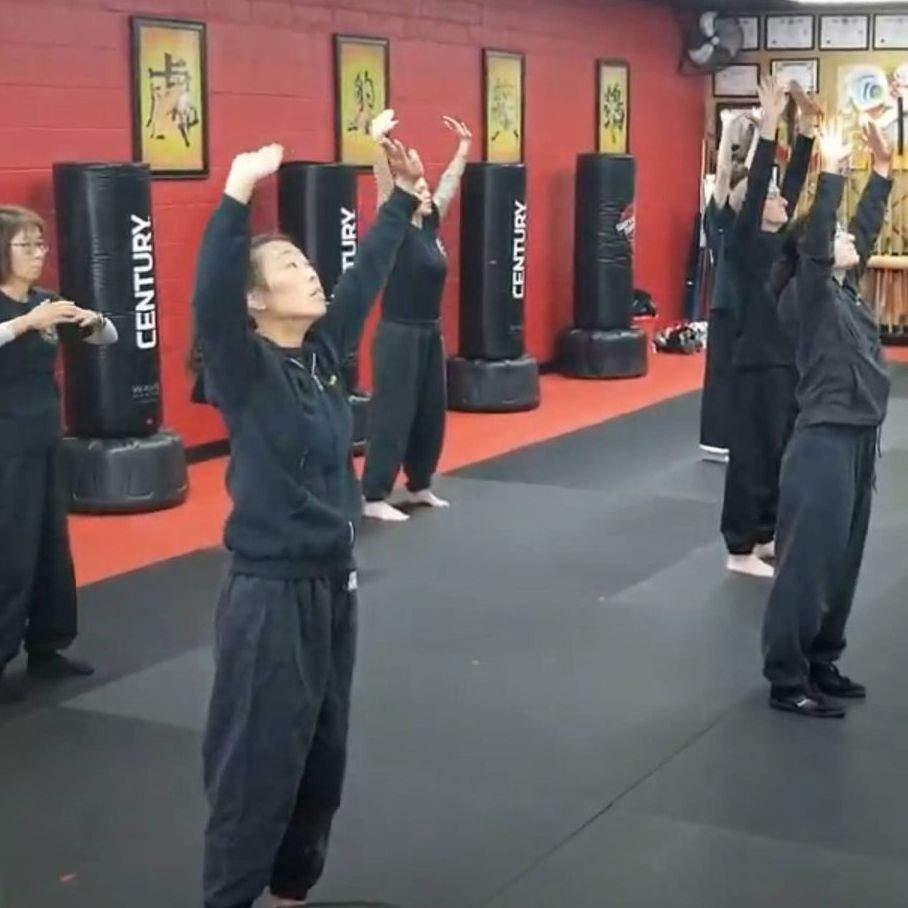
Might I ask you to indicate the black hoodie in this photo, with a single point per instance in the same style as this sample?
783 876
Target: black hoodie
842 377
751 251
295 494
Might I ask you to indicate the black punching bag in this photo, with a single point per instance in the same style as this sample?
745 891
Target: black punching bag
317 210
119 460
106 263
602 343
492 372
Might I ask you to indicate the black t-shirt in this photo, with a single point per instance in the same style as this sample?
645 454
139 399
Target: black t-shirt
417 282
29 399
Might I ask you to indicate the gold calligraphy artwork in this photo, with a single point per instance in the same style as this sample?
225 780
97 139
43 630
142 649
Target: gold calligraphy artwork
361 91
169 98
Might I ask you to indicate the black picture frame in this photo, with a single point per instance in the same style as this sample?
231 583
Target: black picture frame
772 17
887 15
338 42
597 135
756 21
752 94
856 15
136 26
814 62
487 54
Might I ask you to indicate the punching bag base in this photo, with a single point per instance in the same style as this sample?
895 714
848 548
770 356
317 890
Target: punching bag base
359 403
126 475
603 354
493 385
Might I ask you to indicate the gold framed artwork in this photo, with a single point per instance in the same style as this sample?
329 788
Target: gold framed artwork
613 106
503 106
169 97
361 92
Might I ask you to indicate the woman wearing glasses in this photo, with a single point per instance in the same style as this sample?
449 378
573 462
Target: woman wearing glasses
37 585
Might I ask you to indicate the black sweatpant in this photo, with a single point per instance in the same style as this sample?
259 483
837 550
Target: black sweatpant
276 741
716 403
824 512
763 414
37 584
407 412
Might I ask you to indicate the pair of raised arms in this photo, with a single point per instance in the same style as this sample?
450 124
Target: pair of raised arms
834 145
773 96
381 128
249 168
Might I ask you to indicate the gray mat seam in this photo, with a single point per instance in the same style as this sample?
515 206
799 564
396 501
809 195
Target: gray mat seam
630 789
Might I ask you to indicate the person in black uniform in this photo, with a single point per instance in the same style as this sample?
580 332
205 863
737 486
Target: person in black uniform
37 585
718 217
829 467
764 374
407 411
275 741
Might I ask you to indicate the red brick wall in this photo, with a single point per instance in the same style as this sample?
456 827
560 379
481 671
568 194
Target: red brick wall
64 89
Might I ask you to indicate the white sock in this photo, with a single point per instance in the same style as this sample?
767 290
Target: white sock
750 565
425 497
714 455
382 510
766 550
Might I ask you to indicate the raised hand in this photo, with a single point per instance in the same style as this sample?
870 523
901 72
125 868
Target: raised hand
383 124
879 146
835 149
731 115
250 167
809 105
405 164
460 129
772 100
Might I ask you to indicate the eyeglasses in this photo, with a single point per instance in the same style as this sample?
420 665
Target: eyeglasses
40 248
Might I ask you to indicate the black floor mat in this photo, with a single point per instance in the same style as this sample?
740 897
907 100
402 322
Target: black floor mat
558 703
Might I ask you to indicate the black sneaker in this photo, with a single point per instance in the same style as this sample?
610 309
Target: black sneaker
810 704
830 681
10 691
56 665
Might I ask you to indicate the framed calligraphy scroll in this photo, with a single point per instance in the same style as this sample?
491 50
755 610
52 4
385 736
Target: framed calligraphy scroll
503 109
169 97
361 86
613 106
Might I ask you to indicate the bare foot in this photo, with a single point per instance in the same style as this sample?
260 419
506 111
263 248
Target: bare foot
424 498
382 510
750 565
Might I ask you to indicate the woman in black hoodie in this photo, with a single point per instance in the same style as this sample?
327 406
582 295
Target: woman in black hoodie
828 470
275 742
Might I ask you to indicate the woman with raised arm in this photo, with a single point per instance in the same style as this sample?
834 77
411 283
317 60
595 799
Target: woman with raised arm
37 584
829 466
272 349
764 374
407 412
718 216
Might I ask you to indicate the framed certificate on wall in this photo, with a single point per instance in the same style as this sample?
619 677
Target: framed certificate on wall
740 80
890 31
845 32
789 33
805 72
